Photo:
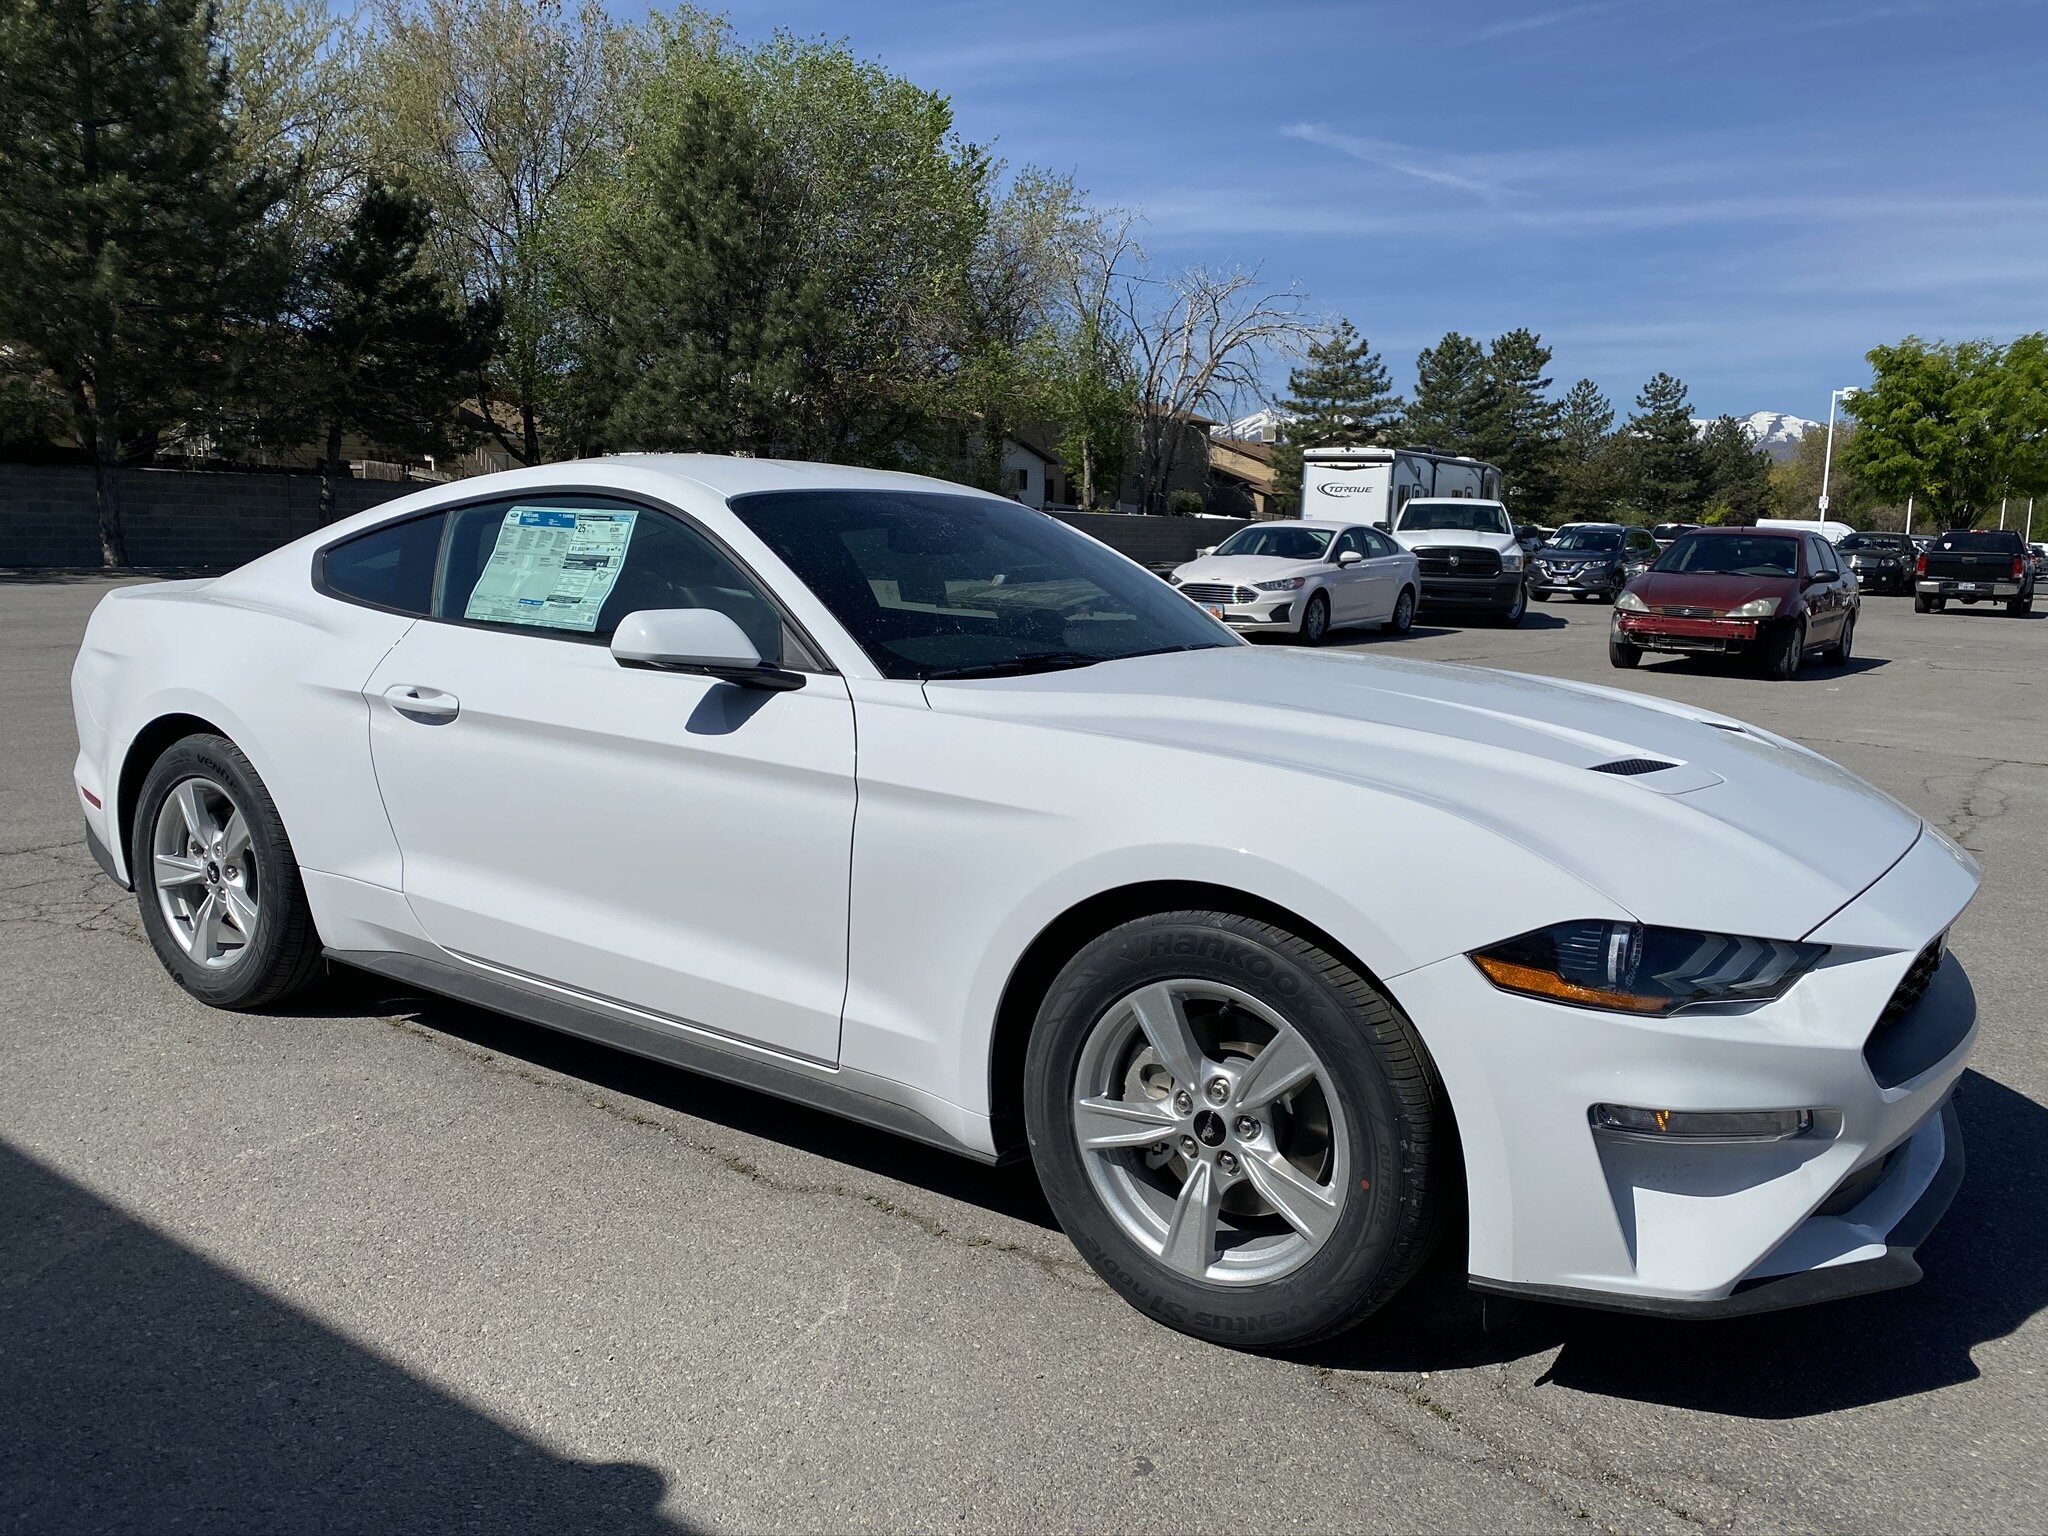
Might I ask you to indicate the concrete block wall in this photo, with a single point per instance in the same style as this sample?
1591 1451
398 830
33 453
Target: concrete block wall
48 514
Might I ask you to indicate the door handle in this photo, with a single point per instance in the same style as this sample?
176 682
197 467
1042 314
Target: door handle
426 706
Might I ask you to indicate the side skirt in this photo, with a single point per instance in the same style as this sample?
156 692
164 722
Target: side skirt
853 1095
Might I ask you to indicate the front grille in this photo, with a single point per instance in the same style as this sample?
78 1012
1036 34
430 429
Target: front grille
1905 1042
1631 767
1215 592
1458 562
1689 613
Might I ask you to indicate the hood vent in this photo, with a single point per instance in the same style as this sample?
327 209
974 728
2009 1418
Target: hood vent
1630 767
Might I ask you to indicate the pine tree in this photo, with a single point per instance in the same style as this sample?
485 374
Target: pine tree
390 348
1736 473
1455 396
130 236
1586 448
1520 431
1664 456
1341 397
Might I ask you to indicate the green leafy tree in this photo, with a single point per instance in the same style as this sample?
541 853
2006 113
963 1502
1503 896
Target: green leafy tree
1735 472
132 236
1586 453
1958 426
1456 399
388 346
1521 427
1095 403
1340 397
1663 455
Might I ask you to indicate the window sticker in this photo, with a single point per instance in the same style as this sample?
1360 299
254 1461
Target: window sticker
552 567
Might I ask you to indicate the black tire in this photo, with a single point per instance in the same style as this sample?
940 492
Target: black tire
2020 607
1838 654
282 953
1509 617
1403 618
1621 654
1784 649
1921 604
1315 619
1398 1131
1541 597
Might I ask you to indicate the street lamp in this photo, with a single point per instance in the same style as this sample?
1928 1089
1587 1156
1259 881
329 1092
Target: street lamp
1828 459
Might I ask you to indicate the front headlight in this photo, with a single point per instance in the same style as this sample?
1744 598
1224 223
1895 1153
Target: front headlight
1755 608
1285 584
1628 602
1512 561
1629 968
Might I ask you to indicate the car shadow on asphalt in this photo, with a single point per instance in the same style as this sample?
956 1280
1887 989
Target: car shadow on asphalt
1811 671
1986 1274
1010 1190
148 1389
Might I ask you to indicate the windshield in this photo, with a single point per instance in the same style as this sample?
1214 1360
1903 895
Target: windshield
1888 543
1587 538
1282 543
1731 554
933 585
1465 516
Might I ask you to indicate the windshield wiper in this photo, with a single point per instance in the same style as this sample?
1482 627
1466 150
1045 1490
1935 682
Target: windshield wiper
1021 666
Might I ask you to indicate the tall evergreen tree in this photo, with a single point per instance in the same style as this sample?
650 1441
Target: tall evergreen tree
131 236
1664 456
1520 431
1735 471
1586 449
1340 397
1455 396
389 346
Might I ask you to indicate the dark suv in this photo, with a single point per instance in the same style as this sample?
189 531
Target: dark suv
1589 560
1883 562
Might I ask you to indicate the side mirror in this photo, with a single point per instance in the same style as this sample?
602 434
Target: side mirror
1203 554
1815 578
700 640
1383 526
1350 557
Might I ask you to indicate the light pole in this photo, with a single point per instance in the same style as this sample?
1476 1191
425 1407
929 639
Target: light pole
1909 514
1828 458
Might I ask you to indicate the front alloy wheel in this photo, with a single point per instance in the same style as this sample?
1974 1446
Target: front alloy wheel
1315 619
1237 1129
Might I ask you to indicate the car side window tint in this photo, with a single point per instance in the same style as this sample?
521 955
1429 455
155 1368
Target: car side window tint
389 567
1378 545
1352 539
574 566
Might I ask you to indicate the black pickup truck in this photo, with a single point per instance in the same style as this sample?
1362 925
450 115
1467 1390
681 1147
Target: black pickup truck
1975 566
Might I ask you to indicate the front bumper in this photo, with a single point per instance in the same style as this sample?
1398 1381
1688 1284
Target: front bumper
1888 578
1496 593
1565 1212
1667 632
1279 614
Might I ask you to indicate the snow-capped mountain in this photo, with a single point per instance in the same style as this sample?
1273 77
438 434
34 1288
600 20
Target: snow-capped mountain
1772 430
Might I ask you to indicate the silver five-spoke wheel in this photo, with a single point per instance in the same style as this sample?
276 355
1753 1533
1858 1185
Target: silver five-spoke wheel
1212 1132
207 882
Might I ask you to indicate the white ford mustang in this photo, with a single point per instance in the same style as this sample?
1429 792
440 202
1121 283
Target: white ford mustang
909 802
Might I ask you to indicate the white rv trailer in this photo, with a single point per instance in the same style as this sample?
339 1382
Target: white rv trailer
1369 485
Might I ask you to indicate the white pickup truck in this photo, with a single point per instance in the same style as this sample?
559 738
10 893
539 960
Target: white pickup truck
1466 555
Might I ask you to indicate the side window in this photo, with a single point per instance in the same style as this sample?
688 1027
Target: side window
1377 544
1352 540
389 567
575 566
1641 543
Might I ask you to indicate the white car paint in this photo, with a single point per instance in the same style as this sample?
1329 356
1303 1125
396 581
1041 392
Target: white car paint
1362 592
722 872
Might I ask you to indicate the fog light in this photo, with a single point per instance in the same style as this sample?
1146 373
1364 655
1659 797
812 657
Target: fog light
1702 1125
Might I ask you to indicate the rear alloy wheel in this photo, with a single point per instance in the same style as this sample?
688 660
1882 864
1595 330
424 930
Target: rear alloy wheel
1237 1130
1784 650
1838 654
1621 654
1315 620
219 889
1403 618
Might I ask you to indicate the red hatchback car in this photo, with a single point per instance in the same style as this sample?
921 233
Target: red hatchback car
1773 593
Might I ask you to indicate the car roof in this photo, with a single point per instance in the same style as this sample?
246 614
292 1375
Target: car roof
1765 533
1330 523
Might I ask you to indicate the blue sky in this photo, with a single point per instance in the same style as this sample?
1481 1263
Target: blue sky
1749 195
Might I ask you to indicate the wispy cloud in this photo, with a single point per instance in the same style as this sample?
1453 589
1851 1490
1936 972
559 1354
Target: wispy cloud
1544 20
1438 170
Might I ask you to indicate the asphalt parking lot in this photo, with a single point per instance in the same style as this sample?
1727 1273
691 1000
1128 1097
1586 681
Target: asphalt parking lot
389 1262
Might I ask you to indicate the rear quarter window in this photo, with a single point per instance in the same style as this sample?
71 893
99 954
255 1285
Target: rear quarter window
389 567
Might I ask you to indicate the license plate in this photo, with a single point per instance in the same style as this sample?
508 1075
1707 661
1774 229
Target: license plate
1969 586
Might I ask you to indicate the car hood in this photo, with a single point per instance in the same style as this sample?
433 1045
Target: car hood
1452 538
1681 589
1242 570
1744 832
